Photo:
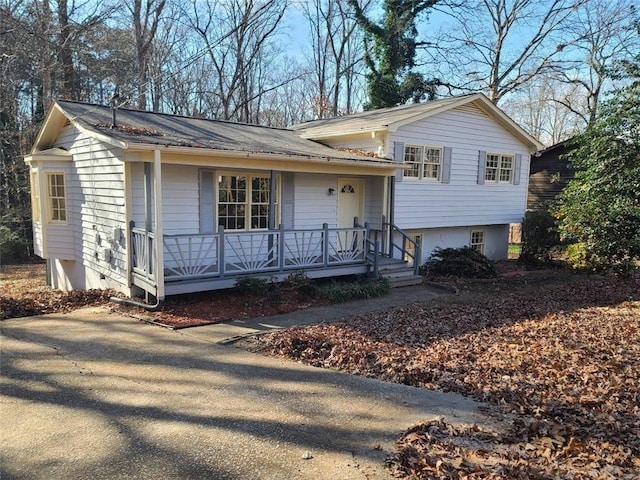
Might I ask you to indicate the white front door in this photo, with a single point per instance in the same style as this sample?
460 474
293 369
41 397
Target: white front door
350 201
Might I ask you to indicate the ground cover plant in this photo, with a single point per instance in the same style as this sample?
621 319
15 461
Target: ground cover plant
555 353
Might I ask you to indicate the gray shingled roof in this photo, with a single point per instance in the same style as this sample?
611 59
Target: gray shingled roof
372 120
139 127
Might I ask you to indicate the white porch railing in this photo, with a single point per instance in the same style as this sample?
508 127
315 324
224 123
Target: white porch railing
227 254
144 258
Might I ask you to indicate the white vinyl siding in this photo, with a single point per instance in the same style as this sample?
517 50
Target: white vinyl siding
95 212
464 200
313 205
496 239
179 199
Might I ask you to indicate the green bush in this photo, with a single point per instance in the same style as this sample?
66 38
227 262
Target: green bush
576 256
540 236
296 281
458 262
14 244
252 285
337 292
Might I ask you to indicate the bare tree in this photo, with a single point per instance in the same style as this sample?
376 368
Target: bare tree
238 38
498 46
146 16
605 33
336 54
535 107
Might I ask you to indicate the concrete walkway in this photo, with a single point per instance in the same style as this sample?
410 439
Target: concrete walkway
229 332
92 395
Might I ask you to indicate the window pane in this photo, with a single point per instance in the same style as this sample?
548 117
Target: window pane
431 171
240 208
477 241
432 160
493 163
413 158
260 216
56 200
506 168
260 190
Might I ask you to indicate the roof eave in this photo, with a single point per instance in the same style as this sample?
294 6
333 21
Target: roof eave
53 154
344 133
364 162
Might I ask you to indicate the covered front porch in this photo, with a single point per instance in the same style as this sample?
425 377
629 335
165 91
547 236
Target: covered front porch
199 223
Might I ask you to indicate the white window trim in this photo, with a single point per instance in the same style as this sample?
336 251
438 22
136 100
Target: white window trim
247 215
49 198
484 240
499 168
421 164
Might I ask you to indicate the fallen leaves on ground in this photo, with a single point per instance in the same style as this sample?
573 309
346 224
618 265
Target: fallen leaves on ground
557 352
205 308
24 293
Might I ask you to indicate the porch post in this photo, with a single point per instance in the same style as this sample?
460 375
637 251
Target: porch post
272 200
272 213
157 190
148 206
392 194
325 244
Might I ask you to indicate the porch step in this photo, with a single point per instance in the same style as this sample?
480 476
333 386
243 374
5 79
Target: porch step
395 282
399 274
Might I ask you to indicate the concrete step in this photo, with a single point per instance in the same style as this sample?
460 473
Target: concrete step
406 281
400 269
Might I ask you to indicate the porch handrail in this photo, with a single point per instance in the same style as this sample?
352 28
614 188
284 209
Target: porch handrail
406 239
371 247
143 258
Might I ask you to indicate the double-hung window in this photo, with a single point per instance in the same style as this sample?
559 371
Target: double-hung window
56 198
499 168
425 163
243 201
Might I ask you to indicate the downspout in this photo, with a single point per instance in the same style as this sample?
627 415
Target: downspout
133 303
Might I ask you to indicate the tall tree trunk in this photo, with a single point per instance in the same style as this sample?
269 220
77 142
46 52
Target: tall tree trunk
65 56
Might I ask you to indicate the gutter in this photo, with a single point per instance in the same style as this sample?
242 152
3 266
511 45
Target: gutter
348 161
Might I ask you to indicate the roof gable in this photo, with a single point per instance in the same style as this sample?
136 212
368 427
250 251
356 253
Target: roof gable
390 119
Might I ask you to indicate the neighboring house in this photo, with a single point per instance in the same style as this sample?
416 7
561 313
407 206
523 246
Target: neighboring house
550 173
468 166
162 204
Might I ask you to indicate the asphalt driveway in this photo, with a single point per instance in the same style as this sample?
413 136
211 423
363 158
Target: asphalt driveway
91 395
